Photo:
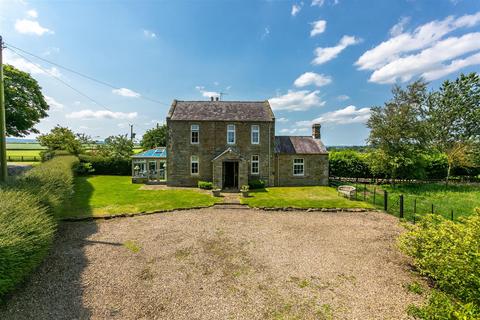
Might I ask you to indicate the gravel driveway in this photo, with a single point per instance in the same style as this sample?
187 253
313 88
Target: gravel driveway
222 264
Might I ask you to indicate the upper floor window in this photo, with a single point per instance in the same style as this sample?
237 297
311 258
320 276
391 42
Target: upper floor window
231 134
194 165
194 133
255 134
298 167
255 168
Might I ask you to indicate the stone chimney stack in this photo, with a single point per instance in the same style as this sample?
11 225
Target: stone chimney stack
212 98
316 131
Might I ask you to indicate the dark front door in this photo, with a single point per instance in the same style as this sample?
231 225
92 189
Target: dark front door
230 174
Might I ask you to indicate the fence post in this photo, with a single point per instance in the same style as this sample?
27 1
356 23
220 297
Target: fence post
401 206
364 191
415 206
22 158
356 190
432 209
374 194
452 214
414 219
385 200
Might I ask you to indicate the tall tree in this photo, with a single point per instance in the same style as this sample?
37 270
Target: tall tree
25 104
61 138
454 120
398 129
156 137
116 147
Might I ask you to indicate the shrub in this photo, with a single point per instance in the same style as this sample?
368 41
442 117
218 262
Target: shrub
447 252
108 165
349 164
256 184
27 224
205 185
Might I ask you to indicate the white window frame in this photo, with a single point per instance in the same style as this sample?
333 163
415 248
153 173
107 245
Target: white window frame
257 162
197 130
229 131
255 129
303 167
192 161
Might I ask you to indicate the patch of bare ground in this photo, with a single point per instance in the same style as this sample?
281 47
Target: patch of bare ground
222 264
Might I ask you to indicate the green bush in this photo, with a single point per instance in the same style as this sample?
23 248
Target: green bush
448 253
256 184
349 164
83 168
108 165
27 223
205 185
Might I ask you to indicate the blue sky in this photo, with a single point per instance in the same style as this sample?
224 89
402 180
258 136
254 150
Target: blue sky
327 61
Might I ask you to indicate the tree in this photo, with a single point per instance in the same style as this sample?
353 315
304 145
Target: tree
454 120
25 104
116 147
398 130
61 138
156 137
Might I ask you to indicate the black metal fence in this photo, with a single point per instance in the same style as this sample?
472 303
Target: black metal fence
23 158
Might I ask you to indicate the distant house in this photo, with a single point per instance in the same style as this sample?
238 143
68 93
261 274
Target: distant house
231 143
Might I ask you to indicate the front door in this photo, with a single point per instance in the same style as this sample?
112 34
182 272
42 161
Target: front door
230 174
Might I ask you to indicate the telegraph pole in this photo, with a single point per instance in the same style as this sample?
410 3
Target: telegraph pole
3 125
132 135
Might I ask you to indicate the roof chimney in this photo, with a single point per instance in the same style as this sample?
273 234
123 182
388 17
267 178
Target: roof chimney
216 98
211 98
316 130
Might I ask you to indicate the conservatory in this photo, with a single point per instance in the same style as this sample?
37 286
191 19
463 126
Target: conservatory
150 166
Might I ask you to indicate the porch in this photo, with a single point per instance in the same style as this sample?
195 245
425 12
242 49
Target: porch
150 166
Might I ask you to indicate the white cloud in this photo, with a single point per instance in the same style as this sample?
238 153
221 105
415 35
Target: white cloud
455 65
417 48
29 67
398 28
430 59
124 92
297 101
31 27
207 94
282 120
312 78
346 115
294 130
32 13
296 9
149 34
323 55
343 97
54 104
88 114
318 27
318 3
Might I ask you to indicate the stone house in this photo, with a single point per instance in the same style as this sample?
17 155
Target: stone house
233 142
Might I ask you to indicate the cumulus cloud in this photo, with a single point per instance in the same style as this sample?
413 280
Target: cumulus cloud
312 78
318 3
124 92
398 28
29 67
206 93
323 55
294 130
318 27
27 26
88 114
346 115
54 104
422 51
296 9
282 120
343 97
32 13
297 101
149 34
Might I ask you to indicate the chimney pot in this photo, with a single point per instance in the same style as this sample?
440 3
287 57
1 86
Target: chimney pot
216 98
211 98
316 130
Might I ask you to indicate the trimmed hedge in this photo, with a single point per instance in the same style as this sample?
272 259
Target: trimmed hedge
27 222
205 185
256 184
108 165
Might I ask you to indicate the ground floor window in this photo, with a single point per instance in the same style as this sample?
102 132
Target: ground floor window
255 168
194 165
298 167
139 168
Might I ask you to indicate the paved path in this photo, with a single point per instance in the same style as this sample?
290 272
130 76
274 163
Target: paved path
222 264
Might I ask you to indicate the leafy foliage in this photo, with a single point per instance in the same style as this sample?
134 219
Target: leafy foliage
116 147
108 165
256 184
156 137
60 138
25 104
205 185
348 164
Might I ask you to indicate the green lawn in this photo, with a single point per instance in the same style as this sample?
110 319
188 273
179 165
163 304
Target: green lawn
101 195
301 197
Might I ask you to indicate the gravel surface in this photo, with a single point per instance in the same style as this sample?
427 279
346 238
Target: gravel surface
222 264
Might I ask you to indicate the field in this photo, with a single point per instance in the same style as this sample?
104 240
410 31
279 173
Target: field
301 197
419 198
105 195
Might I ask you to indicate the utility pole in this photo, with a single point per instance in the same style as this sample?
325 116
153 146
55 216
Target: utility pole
3 124
132 135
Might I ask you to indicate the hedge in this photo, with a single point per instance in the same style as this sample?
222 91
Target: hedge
27 222
108 165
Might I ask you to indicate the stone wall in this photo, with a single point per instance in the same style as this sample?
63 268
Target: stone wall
315 170
213 141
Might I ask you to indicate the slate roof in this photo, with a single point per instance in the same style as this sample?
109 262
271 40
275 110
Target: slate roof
152 153
221 111
299 145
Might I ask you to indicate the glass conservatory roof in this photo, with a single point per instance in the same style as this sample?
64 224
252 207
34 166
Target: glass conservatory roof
152 153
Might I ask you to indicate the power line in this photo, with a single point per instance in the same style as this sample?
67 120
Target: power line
80 73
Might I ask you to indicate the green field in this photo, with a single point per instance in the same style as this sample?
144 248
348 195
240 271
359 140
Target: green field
103 195
301 197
